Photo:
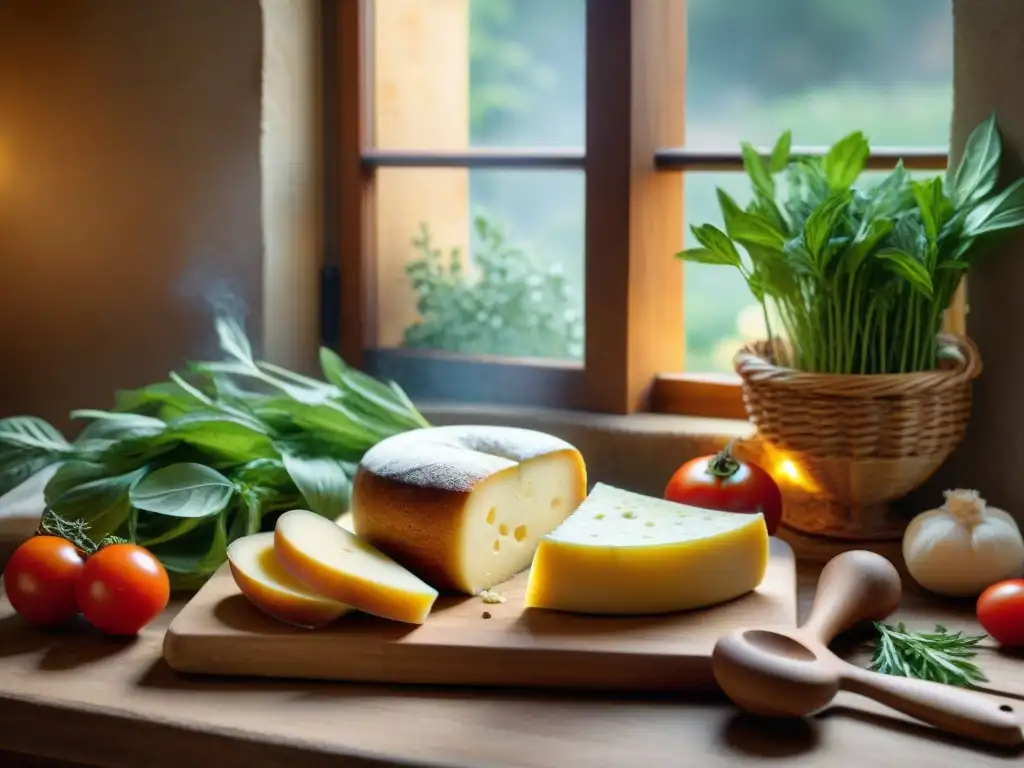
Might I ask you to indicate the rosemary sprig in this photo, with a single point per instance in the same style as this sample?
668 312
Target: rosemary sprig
937 656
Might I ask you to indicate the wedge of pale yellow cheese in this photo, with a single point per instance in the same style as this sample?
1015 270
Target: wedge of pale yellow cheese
261 578
623 553
336 564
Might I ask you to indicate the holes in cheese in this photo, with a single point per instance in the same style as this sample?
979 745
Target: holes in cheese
272 589
337 564
464 507
623 553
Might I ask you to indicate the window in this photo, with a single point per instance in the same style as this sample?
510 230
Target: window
513 178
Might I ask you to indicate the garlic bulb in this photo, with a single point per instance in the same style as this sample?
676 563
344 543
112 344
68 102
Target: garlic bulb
962 547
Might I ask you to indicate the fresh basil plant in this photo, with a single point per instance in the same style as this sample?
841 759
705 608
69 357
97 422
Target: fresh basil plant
185 467
855 279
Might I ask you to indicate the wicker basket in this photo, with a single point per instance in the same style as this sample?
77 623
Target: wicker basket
862 440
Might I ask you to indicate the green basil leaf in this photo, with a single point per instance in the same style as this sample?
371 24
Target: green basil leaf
103 504
192 558
323 482
21 467
754 229
934 207
890 196
328 421
909 268
820 225
297 392
183 490
713 238
780 153
230 436
233 341
246 514
730 210
27 446
978 171
798 259
266 472
165 400
863 244
112 425
1004 211
705 256
134 452
71 475
29 433
348 380
845 160
757 170
151 530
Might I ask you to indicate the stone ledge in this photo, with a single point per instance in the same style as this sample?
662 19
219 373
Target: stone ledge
637 451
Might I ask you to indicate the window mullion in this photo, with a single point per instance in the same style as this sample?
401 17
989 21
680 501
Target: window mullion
634 318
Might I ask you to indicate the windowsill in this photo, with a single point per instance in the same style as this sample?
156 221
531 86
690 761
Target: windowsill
641 451
636 423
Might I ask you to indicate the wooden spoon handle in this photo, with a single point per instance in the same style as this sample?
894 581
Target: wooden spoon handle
855 586
950 709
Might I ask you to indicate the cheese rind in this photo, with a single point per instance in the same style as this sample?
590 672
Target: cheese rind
268 586
622 553
464 507
338 565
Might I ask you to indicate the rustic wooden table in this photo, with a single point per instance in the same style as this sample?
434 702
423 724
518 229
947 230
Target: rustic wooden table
78 698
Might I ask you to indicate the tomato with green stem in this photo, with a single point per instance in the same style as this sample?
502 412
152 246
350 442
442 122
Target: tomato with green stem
122 589
1001 612
41 578
725 483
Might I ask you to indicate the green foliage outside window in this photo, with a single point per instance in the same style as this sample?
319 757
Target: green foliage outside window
508 303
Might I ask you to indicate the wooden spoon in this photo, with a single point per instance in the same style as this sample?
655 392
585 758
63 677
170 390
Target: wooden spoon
795 674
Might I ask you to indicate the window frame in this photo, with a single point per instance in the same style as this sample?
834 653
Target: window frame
634 160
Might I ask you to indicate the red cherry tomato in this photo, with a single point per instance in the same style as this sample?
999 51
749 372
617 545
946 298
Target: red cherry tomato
122 589
1001 611
725 483
40 580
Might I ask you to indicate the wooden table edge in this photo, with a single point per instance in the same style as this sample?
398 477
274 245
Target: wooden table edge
97 736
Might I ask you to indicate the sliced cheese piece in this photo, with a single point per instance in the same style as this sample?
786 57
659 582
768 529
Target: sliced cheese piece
464 507
624 553
273 590
337 564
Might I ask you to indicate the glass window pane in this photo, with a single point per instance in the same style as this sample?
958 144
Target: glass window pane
822 68
452 74
520 294
720 314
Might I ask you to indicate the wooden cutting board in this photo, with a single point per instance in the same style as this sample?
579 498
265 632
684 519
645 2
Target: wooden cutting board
468 642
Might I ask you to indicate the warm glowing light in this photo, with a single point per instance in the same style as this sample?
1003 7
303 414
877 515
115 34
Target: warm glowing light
788 469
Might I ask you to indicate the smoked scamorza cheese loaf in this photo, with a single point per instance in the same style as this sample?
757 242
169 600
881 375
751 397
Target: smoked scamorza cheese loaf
464 507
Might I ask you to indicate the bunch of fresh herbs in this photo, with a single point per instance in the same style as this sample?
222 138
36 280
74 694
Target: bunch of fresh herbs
184 467
939 656
856 279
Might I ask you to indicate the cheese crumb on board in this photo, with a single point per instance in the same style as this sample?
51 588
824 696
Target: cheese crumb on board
491 597
622 553
464 507
261 578
338 565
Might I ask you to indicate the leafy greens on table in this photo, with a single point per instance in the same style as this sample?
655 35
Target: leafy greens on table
855 280
186 466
